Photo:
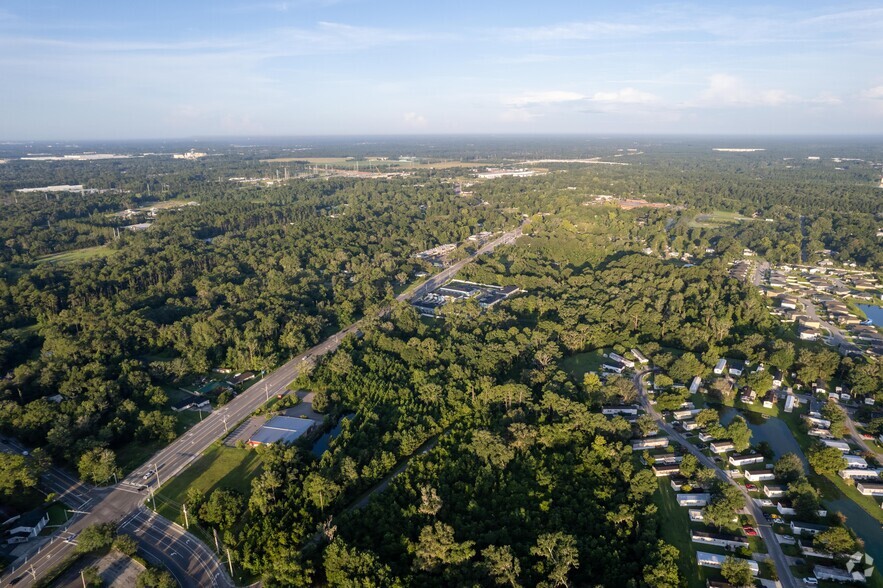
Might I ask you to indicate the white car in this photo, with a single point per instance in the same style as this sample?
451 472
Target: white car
147 475
810 581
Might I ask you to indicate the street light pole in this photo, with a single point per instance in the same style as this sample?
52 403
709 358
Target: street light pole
156 471
186 520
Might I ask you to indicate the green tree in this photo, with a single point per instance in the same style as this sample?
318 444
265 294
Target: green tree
722 509
826 460
155 578
95 537
685 368
761 382
804 498
739 433
349 567
737 572
17 475
501 565
90 577
436 547
707 416
837 416
837 540
662 571
688 466
223 508
789 468
98 465
126 545
559 556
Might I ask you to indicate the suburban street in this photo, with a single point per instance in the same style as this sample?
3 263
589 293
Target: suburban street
193 564
786 578
836 335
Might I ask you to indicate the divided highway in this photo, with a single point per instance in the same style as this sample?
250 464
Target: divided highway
190 561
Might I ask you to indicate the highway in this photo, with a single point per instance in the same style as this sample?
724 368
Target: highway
121 503
786 578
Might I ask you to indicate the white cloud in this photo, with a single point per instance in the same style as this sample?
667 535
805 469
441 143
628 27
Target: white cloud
412 119
875 93
625 96
728 90
547 97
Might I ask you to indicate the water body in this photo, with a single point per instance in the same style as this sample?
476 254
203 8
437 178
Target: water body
875 313
864 525
775 432
321 444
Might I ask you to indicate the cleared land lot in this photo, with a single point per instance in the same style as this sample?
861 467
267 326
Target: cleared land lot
219 467
76 255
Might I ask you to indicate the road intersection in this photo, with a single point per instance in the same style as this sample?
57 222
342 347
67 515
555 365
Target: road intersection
189 560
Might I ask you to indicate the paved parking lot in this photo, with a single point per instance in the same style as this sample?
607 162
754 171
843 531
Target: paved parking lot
244 431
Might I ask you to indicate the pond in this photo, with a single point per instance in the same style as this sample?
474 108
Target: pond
321 444
875 313
773 431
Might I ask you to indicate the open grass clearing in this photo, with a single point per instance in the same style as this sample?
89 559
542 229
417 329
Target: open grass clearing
675 530
582 363
220 466
77 255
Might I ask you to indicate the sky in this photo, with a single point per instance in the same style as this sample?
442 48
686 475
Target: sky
190 68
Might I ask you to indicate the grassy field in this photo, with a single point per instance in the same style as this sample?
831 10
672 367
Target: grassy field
77 255
219 467
716 218
676 531
582 363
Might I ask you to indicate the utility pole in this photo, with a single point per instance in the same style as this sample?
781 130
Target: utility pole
83 577
156 471
115 481
267 391
153 496
230 561
217 547
225 424
186 520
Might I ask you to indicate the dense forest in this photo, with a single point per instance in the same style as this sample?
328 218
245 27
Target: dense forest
514 476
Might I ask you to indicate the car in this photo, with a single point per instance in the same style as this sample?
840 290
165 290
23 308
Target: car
776 517
751 487
810 581
149 473
750 531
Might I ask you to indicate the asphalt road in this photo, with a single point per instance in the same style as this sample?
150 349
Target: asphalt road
194 567
837 336
786 578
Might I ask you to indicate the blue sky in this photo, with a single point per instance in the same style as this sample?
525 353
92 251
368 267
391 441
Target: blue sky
119 70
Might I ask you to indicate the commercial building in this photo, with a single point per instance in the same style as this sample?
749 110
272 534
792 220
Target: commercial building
281 429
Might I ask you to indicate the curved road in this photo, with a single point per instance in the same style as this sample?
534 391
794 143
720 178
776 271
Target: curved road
197 567
786 578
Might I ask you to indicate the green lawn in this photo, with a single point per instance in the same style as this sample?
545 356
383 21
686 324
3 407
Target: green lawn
219 467
675 530
582 363
76 255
